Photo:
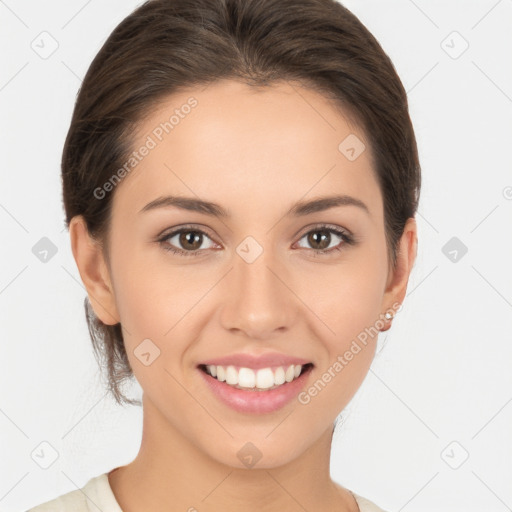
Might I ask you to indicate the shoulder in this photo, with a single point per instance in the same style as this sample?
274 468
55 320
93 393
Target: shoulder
365 505
96 493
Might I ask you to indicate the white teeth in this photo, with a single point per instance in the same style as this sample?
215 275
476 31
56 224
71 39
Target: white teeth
231 375
264 378
221 373
279 376
246 378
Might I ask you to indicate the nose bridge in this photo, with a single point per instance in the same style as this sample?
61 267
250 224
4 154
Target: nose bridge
259 302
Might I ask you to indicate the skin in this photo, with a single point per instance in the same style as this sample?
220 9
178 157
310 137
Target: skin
254 152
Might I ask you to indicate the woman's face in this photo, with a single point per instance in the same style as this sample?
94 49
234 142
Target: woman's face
251 283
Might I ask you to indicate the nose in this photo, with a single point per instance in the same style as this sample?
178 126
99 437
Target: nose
260 300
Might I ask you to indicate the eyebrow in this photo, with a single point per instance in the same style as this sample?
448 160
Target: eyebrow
299 209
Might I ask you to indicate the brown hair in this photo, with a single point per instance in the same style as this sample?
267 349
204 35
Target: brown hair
168 45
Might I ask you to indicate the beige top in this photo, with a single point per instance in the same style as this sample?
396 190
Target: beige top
97 494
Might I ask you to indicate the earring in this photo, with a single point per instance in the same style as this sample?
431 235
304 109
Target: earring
388 316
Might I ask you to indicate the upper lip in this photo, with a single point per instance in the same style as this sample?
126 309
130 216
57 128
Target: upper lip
256 361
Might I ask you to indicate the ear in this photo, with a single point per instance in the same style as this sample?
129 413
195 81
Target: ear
398 277
94 271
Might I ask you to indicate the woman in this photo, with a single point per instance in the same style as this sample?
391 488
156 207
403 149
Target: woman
240 181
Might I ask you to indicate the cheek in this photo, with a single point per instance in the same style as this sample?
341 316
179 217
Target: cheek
348 300
157 300
139 301
350 310
348 297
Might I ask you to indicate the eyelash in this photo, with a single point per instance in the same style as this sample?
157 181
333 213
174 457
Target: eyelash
347 239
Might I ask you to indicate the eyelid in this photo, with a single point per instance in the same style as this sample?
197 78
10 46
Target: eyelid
326 226
167 234
303 231
346 235
191 227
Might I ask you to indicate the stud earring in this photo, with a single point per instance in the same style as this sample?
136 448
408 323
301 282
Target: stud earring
388 317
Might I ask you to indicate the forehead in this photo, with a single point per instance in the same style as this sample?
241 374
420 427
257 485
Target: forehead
232 143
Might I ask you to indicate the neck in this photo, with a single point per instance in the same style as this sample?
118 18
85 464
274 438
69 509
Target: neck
171 473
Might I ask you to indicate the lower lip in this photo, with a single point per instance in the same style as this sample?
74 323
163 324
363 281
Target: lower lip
256 401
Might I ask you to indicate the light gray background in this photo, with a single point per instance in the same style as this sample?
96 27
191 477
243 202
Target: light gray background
440 391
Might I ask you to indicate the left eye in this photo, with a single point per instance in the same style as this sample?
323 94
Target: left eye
322 236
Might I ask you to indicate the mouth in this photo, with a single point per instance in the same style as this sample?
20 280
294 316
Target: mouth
257 380
256 391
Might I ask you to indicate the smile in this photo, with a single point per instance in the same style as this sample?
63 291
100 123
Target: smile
255 379
255 391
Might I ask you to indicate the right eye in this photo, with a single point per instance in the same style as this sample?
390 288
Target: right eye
190 239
